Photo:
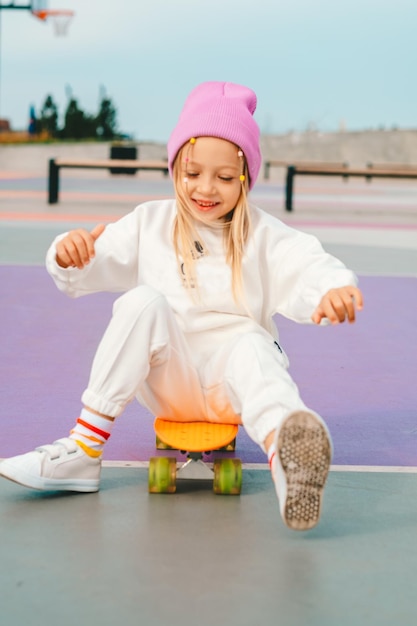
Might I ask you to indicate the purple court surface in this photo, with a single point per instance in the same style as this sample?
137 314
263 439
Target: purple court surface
361 378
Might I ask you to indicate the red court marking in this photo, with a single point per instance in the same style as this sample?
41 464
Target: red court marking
84 196
9 193
350 189
10 216
20 175
358 225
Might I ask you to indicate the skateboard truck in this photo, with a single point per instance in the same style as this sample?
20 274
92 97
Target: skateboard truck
195 468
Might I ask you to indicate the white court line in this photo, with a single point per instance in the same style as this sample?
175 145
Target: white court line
387 469
264 466
375 469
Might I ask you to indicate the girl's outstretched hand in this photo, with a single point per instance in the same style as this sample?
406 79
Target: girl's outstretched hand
77 248
339 304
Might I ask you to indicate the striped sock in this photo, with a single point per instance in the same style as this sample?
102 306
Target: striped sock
272 457
91 432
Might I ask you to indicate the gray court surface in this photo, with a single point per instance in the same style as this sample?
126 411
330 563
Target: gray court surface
122 556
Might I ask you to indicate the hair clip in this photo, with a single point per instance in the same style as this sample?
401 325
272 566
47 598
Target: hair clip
240 153
192 140
242 178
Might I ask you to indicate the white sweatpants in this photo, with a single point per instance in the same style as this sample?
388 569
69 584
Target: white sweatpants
144 354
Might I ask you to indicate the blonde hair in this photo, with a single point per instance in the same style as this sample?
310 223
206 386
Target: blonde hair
236 228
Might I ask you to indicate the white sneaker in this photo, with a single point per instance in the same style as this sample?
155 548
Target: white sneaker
61 466
303 457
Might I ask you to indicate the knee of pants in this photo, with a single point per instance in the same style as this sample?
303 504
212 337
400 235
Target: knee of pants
135 301
255 347
251 365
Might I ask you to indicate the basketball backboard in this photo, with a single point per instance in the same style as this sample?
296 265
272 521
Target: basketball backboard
60 18
28 5
39 5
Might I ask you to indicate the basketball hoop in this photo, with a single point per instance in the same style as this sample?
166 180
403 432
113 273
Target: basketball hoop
61 19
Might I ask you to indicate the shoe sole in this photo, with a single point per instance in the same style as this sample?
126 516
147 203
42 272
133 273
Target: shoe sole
304 451
48 484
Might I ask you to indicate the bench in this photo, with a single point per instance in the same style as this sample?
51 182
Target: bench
382 171
284 164
108 164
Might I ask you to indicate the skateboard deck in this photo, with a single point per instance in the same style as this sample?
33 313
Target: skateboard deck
195 439
195 436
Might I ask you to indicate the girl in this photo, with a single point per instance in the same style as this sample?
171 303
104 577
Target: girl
192 337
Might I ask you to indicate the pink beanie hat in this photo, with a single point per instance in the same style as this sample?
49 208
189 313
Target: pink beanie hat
223 110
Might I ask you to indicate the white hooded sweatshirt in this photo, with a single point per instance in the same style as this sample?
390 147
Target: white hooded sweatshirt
284 271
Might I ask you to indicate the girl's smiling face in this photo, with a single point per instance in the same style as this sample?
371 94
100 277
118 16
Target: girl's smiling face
211 177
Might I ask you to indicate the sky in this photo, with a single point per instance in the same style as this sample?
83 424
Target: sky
314 64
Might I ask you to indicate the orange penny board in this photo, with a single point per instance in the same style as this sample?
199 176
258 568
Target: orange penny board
195 436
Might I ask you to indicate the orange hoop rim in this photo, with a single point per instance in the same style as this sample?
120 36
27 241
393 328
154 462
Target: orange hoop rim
44 14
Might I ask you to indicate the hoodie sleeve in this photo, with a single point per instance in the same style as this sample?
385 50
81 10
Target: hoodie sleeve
114 267
302 274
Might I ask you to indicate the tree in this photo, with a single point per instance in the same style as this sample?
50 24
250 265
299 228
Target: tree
78 125
49 117
106 119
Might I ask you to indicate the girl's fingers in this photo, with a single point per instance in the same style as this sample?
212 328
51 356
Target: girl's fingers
338 305
353 301
334 309
97 231
347 309
80 245
63 255
77 248
358 297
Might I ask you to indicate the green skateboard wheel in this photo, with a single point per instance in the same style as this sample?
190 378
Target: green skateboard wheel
227 476
161 445
162 475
